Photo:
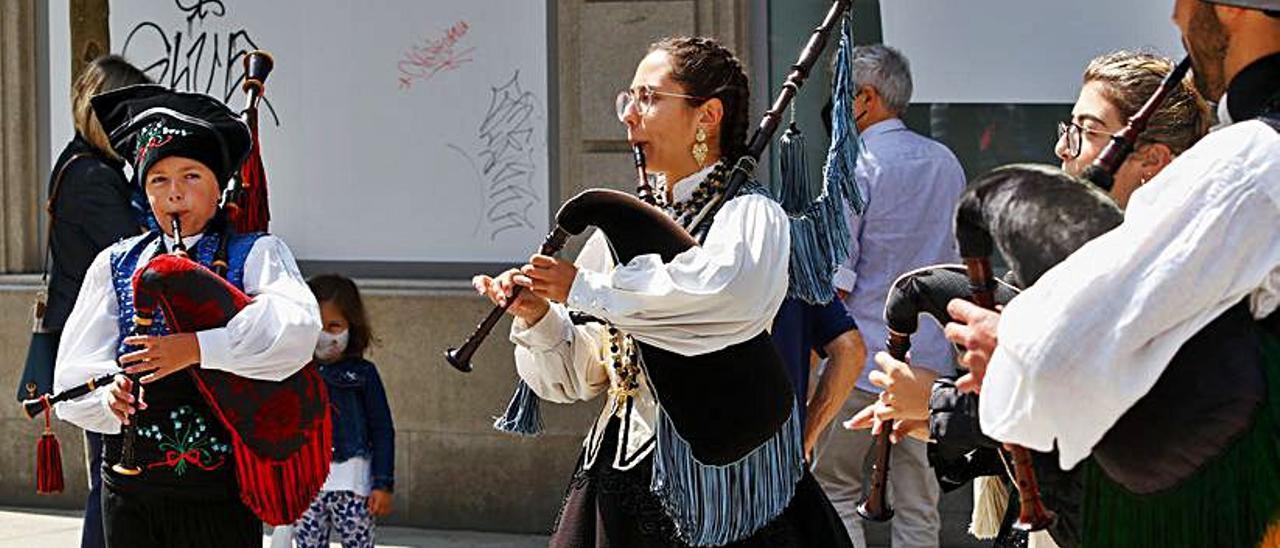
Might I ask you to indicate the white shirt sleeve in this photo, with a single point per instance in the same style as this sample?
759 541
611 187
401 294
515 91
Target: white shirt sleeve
846 276
708 297
561 362
1102 325
87 350
276 334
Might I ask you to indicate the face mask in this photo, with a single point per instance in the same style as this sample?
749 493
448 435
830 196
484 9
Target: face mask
330 346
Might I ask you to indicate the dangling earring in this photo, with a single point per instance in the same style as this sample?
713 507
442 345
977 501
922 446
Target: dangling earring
700 146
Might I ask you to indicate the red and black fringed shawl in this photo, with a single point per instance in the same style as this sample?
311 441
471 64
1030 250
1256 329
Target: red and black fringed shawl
280 430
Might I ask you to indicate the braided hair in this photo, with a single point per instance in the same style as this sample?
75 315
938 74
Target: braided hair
709 70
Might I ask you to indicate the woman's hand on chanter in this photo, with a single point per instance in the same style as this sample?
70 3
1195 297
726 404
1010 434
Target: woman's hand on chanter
906 389
902 429
526 306
547 277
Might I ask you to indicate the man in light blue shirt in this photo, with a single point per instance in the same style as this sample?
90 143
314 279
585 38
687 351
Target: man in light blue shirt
911 185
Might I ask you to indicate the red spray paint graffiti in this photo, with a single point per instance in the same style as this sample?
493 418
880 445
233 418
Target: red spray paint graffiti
432 56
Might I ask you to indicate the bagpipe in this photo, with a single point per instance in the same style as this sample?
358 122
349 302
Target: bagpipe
924 291
281 434
1034 216
700 393
1187 423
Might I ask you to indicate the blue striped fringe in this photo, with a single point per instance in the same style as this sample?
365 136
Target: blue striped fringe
717 505
523 415
819 227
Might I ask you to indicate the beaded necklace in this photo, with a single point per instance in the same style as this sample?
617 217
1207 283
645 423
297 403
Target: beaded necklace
623 359
622 350
712 186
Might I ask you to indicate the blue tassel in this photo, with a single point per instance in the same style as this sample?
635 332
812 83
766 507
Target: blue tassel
796 186
523 415
842 157
819 229
717 505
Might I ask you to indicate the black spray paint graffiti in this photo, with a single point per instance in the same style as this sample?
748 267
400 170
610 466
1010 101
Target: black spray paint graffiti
194 59
505 158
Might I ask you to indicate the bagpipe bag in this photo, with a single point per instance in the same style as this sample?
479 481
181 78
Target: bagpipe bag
280 430
724 403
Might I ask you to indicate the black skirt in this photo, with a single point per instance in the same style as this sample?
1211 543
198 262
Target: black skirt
604 507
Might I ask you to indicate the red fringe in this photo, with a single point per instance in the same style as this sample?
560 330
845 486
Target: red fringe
278 492
48 464
253 213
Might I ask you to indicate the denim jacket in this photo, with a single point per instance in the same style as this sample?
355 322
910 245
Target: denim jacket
361 418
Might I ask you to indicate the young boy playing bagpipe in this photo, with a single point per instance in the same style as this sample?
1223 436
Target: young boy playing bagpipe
230 430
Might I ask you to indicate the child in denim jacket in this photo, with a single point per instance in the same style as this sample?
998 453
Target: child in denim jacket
361 475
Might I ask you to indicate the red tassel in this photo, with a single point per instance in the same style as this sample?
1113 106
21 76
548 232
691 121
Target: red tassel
254 213
48 458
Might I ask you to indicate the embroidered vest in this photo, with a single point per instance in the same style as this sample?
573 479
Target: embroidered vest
182 447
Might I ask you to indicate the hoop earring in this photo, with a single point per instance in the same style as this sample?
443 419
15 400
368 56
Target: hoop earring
700 147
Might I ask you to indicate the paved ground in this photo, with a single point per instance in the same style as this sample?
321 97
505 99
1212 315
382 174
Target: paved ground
27 528
44 528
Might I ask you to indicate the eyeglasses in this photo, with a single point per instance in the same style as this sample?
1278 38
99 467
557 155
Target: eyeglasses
1075 136
643 98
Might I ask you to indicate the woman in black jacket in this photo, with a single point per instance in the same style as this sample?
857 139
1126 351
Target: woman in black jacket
91 207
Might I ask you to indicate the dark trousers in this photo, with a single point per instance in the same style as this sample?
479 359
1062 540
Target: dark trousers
140 520
91 531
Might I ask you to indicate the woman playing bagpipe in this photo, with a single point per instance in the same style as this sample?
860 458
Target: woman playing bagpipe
644 478
204 462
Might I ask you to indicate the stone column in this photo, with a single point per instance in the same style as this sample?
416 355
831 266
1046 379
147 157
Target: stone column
600 44
90 33
19 184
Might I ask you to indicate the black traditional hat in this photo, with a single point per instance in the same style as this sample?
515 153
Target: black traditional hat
148 123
